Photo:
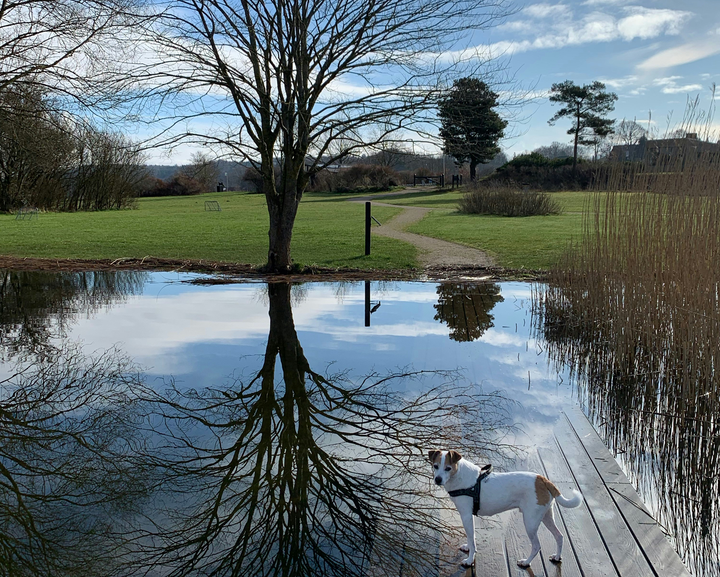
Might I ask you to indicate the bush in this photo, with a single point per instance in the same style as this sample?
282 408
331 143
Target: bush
357 177
508 201
178 185
547 174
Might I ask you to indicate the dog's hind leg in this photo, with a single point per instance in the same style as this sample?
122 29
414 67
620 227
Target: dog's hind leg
549 522
532 523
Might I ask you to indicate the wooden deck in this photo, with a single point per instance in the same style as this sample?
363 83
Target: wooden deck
611 534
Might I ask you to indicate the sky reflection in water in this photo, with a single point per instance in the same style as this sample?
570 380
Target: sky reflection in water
201 335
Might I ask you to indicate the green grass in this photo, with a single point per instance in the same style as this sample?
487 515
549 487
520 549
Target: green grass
534 242
326 233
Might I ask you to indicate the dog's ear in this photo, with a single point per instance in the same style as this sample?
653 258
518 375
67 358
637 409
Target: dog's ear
432 454
453 457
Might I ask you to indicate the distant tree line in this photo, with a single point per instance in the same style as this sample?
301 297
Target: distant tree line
52 162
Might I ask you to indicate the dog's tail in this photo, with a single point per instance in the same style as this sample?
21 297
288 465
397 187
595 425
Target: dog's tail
573 501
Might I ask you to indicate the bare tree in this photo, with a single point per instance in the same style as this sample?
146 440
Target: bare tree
282 80
629 132
60 44
203 169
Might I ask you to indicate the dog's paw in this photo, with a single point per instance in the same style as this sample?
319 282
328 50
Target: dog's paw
555 558
469 562
464 548
523 563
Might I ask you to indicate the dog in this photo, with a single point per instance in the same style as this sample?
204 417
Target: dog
477 491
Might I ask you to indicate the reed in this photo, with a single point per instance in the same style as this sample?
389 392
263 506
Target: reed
634 311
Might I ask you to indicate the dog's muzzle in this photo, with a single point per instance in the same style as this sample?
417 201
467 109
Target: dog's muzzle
438 480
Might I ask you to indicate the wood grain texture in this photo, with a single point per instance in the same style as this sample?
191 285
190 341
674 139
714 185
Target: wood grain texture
627 556
581 533
660 553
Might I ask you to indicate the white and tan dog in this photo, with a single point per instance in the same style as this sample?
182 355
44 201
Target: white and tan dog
533 494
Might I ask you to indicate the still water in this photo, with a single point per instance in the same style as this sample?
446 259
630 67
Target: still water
152 423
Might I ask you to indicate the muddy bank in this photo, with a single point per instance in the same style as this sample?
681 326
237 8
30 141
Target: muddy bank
237 272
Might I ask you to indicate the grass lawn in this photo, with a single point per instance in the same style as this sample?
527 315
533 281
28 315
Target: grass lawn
327 233
534 242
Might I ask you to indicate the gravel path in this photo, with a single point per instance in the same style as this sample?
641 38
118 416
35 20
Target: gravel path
433 252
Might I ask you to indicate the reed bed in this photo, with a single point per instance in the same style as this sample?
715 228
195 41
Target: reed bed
634 311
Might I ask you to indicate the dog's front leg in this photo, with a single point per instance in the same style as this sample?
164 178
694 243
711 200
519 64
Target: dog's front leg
468 521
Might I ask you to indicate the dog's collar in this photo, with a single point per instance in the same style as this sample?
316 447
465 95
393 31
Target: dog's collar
474 491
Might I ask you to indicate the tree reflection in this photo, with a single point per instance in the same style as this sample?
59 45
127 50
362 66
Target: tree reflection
37 306
67 426
648 371
310 474
465 308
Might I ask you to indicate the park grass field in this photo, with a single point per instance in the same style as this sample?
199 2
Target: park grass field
329 231
328 234
533 242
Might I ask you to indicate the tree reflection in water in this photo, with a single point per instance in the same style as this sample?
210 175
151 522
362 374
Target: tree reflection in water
37 306
288 472
648 371
465 308
67 427
311 474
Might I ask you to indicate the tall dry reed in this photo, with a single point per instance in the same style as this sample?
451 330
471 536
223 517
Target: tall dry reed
634 311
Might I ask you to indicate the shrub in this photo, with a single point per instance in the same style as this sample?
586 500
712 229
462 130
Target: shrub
547 174
506 200
178 185
357 177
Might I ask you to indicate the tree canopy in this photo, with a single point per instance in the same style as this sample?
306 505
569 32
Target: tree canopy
587 106
470 127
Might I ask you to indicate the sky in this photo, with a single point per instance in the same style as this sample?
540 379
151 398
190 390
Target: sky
653 54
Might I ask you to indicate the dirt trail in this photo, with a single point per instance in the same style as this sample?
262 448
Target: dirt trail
433 252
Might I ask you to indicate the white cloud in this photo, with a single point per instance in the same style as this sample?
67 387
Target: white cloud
555 26
669 85
683 54
648 23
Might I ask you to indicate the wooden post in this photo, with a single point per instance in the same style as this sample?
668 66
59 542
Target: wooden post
368 219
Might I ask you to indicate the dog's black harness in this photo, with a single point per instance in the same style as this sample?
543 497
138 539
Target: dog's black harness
474 491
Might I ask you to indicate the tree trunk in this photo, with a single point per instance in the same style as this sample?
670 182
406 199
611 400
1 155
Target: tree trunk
473 166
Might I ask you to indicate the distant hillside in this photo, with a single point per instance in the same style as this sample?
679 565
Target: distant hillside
229 172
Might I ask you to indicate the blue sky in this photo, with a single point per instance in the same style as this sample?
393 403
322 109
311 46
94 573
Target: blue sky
652 53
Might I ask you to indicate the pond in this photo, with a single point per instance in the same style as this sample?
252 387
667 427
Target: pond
162 424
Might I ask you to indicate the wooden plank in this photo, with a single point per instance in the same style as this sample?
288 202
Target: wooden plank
620 542
603 460
582 536
490 558
569 566
658 549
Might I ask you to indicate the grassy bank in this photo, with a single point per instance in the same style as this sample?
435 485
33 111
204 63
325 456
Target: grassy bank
326 233
329 231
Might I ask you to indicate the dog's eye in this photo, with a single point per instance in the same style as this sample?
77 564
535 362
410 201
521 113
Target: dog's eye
447 468
435 467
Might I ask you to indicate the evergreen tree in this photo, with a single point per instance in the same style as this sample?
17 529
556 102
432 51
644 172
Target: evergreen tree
587 106
470 128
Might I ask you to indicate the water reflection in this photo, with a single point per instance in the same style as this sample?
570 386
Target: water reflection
313 474
465 308
285 469
37 306
66 425
648 373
